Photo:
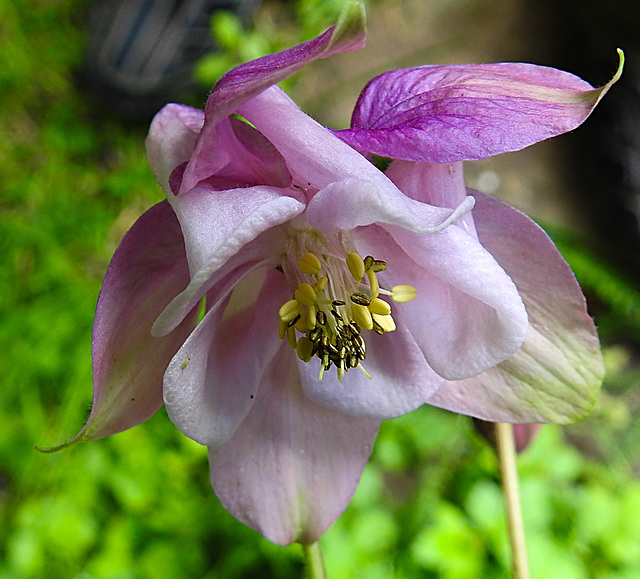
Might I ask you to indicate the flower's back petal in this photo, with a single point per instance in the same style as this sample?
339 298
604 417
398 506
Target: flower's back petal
556 375
248 80
171 140
315 156
465 112
292 466
439 184
210 384
147 270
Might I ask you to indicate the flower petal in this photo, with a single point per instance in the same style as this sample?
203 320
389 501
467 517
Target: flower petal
147 270
556 375
315 156
465 112
210 384
292 466
439 184
248 80
171 140
401 380
468 315
240 216
350 203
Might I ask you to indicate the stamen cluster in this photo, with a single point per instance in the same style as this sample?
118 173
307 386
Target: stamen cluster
332 311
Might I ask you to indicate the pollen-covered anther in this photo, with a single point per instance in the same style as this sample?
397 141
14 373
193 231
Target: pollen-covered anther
386 323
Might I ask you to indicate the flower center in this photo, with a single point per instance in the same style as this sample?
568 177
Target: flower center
337 297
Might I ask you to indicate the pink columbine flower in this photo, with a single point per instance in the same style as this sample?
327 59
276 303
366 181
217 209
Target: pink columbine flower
337 295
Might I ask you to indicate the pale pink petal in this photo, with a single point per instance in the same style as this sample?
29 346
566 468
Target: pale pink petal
349 203
172 138
236 155
148 269
439 184
314 155
401 380
292 466
468 315
556 375
210 384
240 217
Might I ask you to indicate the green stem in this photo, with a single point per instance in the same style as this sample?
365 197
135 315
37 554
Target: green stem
315 564
509 478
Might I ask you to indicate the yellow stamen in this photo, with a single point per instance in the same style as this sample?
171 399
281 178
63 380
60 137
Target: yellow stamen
355 263
373 283
309 264
403 293
305 294
321 283
282 330
289 310
362 316
291 335
304 349
387 323
379 306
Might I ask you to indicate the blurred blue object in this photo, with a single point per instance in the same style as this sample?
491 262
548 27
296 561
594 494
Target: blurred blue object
140 53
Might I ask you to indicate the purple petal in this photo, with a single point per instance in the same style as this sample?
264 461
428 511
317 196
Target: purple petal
556 375
210 384
248 80
147 270
465 112
292 466
468 315
233 154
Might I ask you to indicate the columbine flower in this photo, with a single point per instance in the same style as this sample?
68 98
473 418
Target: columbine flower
336 295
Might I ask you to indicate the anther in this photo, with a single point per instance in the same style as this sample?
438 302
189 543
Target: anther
378 306
368 262
321 318
289 310
387 323
356 266
403 293
362 316
309 264
304 349
305 294
378 265
359 298
338 303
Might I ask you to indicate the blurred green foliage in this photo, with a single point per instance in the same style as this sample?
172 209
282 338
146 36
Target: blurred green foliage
139 505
